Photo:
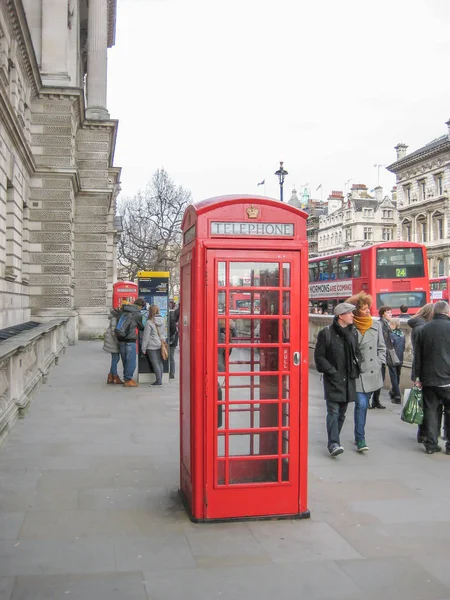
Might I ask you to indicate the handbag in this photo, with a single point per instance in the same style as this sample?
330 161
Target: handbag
413 410
392 358
164 346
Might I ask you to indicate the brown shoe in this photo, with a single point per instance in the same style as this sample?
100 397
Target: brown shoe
116 379
110 378
130 383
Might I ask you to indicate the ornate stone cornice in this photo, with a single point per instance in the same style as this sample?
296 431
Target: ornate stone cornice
25 45
419 156
112 11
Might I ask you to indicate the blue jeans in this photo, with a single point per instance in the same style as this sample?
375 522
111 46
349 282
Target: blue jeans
128 354
115 357
361 404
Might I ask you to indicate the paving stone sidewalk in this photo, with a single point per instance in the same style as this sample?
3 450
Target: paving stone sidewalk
89 507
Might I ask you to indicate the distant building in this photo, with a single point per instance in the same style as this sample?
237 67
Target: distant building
356 221
423 186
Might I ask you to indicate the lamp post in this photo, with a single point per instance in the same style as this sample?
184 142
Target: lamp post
281 174
377 167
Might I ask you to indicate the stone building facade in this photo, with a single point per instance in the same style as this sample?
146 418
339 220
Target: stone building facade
58 185
356 221
423 184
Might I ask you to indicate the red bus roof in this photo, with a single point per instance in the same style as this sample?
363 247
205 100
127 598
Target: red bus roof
391 244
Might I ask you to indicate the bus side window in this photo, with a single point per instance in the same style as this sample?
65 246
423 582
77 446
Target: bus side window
324 267
443 285
334 268
345 267
357 265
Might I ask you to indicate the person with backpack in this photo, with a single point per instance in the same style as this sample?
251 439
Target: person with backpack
111 345
338 357
174 316
129 319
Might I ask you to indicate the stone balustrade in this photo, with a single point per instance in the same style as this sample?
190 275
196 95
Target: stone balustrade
318 322
25 361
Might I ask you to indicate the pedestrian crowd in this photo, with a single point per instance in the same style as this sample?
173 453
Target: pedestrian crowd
354 351
140 328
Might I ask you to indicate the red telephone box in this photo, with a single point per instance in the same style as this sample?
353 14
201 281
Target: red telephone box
244 359
124 290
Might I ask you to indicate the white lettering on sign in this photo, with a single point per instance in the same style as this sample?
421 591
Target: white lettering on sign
244 229
331 289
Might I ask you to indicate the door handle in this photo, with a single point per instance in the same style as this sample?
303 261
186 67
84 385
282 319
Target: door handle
296 358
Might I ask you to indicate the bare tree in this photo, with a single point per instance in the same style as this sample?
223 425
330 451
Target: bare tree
151 238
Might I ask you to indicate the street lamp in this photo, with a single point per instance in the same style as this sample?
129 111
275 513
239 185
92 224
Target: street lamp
281 174
377 167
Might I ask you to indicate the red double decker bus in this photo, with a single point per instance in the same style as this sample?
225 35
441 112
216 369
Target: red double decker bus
439 288
393 273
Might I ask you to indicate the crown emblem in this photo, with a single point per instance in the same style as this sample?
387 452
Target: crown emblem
252 212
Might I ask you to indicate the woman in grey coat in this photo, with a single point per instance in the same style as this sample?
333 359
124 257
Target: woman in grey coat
154 332
373 350
111 345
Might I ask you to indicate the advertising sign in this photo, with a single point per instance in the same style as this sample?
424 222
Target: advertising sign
153 286
331 289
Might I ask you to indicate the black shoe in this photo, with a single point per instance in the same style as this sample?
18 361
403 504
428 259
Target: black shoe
433 450
156 383
171 376
377 405
391 394
447 450
396 400
335 450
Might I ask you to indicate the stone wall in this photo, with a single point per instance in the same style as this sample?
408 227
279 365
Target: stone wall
25 362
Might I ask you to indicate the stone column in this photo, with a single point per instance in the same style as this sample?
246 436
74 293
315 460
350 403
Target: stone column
97 60
54 42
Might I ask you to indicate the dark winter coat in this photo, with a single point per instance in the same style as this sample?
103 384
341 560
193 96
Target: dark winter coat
174 316
137 318
331 360
416 323
432 358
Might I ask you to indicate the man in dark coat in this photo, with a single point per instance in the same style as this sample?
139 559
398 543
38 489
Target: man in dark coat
337 356
432 371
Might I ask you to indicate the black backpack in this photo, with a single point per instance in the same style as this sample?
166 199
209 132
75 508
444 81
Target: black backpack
124 326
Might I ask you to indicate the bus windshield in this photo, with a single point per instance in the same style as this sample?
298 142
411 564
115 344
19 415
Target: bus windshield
396 263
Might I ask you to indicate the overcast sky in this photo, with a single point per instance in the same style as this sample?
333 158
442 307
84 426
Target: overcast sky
219 91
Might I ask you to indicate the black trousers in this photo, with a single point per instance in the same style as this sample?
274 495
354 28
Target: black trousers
335 420
376 394
434 398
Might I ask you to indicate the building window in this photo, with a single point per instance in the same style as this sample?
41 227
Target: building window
387 234
407 190
440 267
348 235
440 228
423 231
439 185
422 189
408 233
367 233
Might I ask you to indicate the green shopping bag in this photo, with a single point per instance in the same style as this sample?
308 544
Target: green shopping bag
413 410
